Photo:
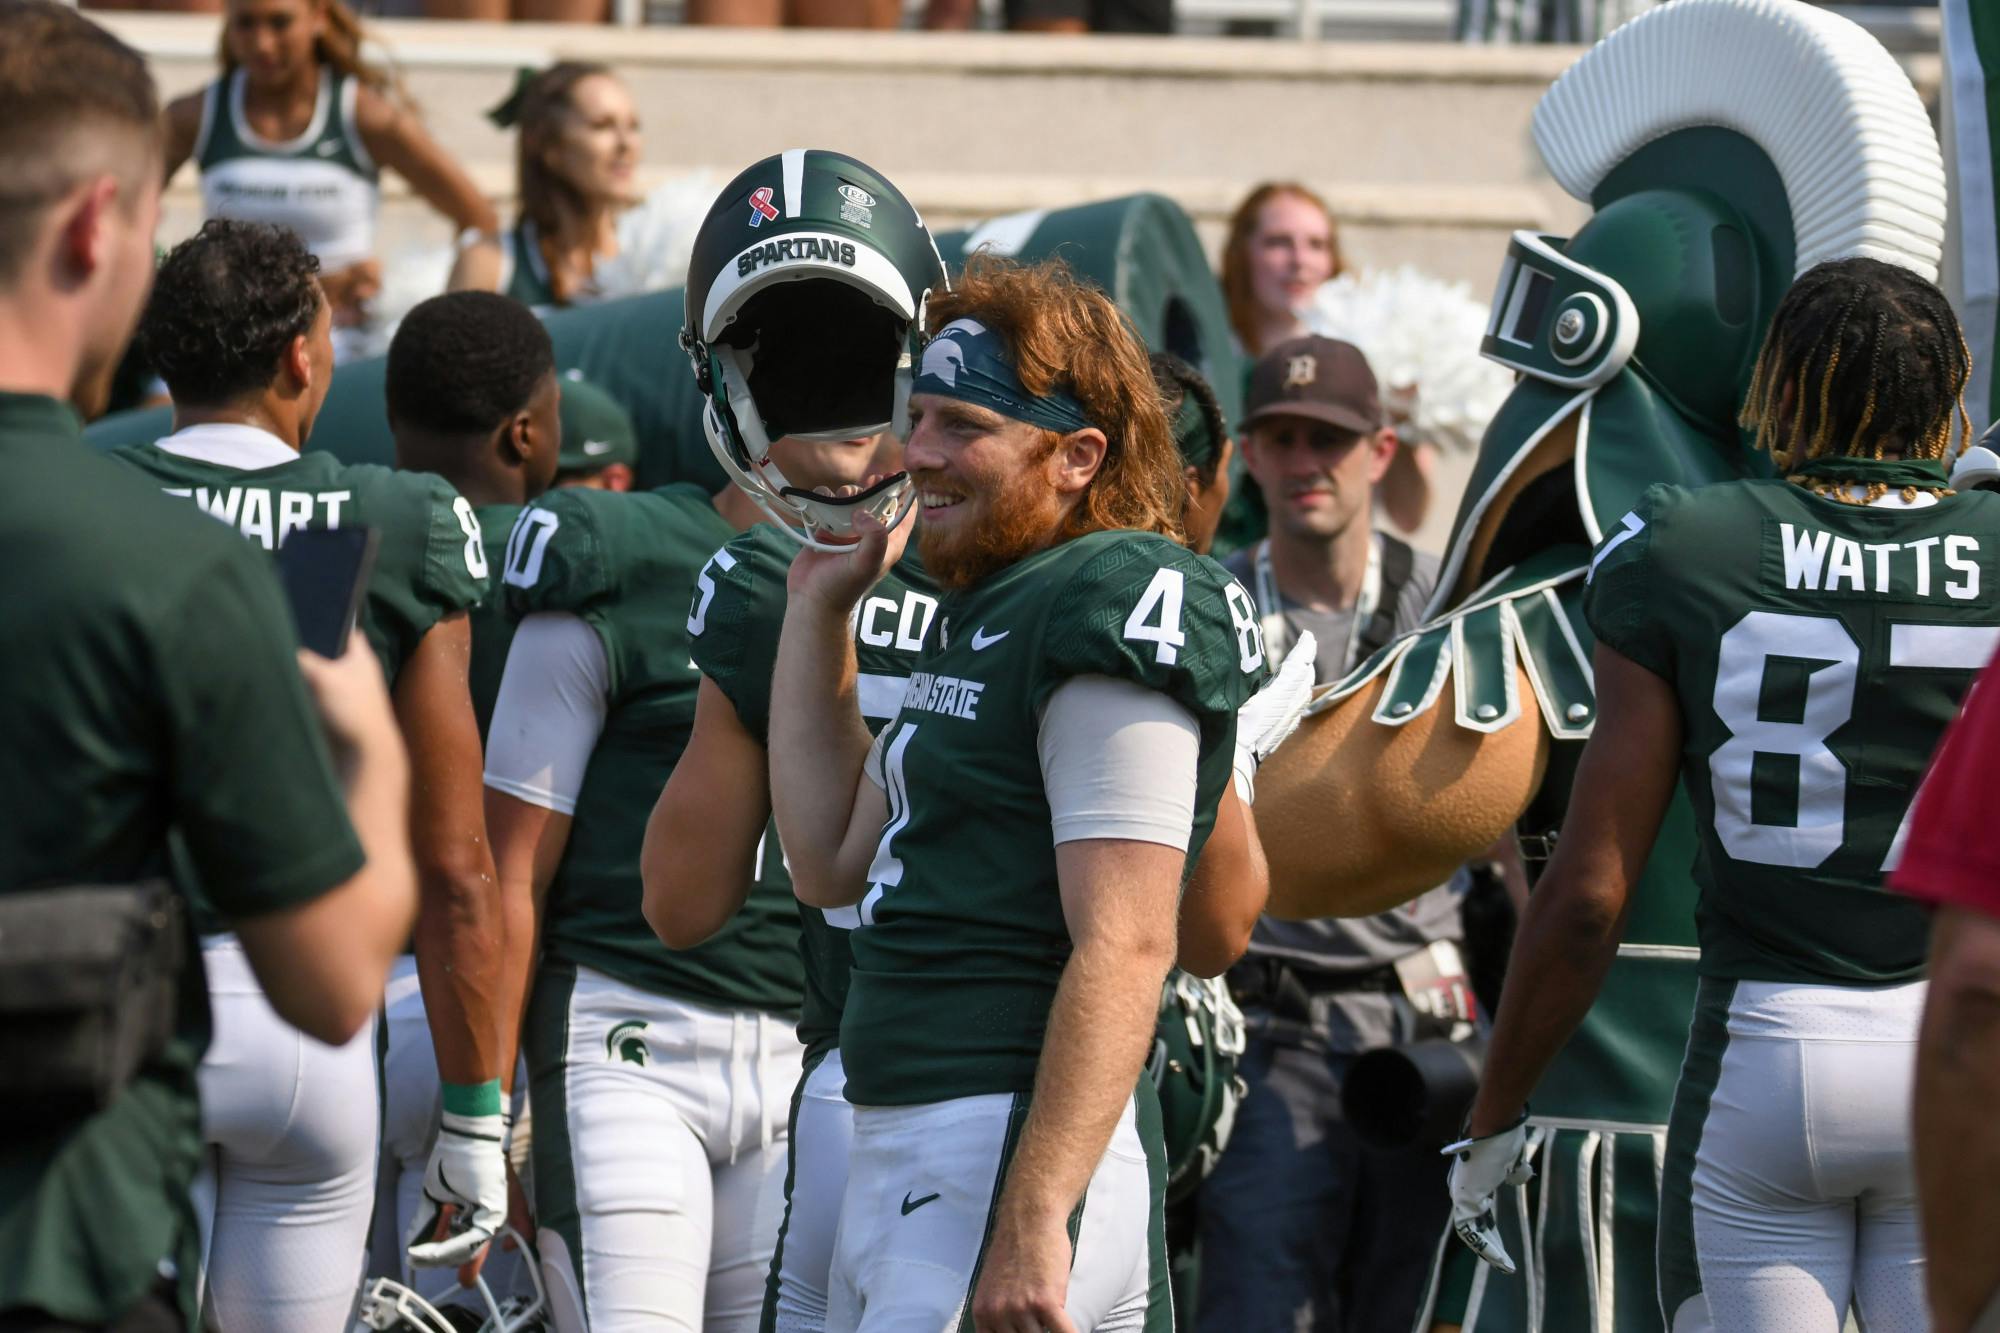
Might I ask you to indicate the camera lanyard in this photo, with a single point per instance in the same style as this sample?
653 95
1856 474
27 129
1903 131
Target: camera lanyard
1278 633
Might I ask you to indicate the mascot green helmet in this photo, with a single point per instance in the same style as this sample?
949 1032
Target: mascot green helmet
806 293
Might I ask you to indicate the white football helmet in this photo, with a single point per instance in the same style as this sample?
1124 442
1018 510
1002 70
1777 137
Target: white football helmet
390 1306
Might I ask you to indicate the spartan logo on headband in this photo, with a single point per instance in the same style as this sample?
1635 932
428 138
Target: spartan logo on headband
944 358
969 362
792 250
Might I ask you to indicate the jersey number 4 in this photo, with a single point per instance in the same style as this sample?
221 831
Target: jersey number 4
1156 619
1747 650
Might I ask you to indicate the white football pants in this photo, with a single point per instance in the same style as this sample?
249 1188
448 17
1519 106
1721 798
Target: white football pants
1802 1198
288 1183
659 1154
822 1132
922 1185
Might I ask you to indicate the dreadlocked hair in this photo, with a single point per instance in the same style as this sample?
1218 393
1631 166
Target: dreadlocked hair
1863 360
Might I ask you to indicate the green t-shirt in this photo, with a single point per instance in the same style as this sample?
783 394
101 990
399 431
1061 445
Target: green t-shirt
1817 650
431 560
962 938
492 627
738 611
151 685
626 564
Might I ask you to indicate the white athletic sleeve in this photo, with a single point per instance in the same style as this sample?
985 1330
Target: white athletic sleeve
553 698
1118 761
871 767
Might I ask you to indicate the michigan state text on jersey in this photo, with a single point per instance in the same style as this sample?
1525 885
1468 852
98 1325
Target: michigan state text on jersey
1077 648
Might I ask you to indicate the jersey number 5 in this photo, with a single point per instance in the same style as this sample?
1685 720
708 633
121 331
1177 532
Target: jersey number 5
1818 775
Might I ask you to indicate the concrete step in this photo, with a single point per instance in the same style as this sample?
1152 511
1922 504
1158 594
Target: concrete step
1421 148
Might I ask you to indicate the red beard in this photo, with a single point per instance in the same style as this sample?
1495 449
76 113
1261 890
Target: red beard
1021 519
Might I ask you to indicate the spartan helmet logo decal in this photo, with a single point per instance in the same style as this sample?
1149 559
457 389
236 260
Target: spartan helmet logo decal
624 1042
1301 370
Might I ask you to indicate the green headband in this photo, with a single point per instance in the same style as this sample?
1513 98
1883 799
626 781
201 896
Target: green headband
969 362
1192 434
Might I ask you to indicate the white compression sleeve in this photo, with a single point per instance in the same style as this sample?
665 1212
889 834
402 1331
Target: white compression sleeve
1118 761
553 698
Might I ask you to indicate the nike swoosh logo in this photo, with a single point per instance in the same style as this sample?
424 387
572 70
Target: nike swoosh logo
595 447
910 1206
981 640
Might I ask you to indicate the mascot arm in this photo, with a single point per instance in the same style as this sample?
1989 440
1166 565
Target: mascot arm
1576 915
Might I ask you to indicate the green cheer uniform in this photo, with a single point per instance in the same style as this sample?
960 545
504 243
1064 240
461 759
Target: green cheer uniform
431 560
151 686
966 869
492 626
526 272
322 184
1817 650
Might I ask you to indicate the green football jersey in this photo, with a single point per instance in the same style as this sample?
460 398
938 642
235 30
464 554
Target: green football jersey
962 938
739 608
626 565
1817 649
492 627
431 560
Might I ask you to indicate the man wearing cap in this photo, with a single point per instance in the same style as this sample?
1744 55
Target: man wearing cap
1302 1225
600 445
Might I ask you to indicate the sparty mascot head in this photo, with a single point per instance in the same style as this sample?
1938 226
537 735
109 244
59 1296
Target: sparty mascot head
1725 146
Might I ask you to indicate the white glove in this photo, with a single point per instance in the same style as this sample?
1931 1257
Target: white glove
1479 1168
1273 713
468 1171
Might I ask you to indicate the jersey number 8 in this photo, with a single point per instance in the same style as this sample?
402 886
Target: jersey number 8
1820 826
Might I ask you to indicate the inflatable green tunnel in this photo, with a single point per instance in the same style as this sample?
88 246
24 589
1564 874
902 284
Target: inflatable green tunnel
1141 249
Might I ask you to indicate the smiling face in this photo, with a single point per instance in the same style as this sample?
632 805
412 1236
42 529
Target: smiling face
992 489
1291 253
1317 478
273 39
595 146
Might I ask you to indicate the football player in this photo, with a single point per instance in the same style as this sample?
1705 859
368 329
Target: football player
471 393
706 841
240 331
1738 626
1082 676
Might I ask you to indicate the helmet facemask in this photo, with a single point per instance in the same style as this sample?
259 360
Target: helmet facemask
813 358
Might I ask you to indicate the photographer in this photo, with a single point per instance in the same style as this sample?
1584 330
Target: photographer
1301 1224
153 686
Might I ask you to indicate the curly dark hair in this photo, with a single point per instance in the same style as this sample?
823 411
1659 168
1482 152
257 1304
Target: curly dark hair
1199 431
1862 358
226 303
463 363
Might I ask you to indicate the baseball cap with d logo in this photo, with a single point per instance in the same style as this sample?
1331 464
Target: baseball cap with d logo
1321 379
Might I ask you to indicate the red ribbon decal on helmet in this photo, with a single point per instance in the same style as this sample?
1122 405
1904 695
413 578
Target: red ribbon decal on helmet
761 210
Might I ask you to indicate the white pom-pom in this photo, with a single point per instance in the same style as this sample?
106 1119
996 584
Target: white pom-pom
1421 337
